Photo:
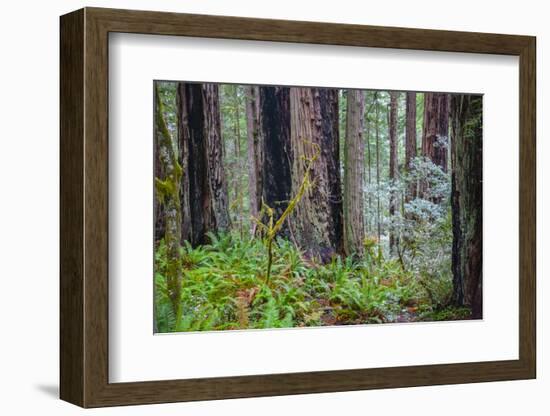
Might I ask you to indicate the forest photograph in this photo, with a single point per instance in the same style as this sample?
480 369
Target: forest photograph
292 206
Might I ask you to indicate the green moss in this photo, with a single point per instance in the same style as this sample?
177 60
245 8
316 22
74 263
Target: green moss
178 170
169 187
164 189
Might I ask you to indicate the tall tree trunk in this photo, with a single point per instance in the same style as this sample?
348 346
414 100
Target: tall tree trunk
254 148
205 193
466 201
195 190
410 140
435 135
368 133
184 142
216 172
237 166
317 219
393 162
158 205
276 149
354 149
167 191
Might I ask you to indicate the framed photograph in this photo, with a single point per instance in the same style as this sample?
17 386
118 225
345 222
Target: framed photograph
255 207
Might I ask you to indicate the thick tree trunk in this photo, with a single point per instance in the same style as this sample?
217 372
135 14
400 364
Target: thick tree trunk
410 140
184 141
393 161
276 149
435 135
317 220
253 133
354 148
199 196
466 201
330 152
216 173
205 193
167 191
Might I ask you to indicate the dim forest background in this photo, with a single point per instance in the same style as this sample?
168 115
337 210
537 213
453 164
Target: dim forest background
290 206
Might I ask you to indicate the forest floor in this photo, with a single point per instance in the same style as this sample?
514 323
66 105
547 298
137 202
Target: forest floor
224 287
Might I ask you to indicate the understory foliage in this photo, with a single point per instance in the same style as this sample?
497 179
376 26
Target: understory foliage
224 287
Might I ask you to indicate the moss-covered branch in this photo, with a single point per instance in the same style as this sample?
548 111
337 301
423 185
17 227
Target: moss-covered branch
273 227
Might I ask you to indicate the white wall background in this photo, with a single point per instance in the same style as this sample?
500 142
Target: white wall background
29 159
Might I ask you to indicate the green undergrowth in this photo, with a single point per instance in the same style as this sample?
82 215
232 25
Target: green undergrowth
224 287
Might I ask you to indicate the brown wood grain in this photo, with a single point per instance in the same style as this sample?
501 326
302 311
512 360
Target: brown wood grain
71 208
527 207
84 207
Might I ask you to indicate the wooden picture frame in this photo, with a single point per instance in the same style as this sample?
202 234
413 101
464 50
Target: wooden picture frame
84 207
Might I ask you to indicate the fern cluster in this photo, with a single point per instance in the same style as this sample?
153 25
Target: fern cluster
224 287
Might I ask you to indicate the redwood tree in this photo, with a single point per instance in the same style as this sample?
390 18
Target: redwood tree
410 139
204 194
276 149
216 173
466 201
254 145
354 163
317 220
393 160
435 132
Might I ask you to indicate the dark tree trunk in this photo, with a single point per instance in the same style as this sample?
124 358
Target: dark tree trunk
393 162
184 141
317 219
253 133
196 199
354 148
466 201
205 191
276 149
330 152
410 140
435 135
